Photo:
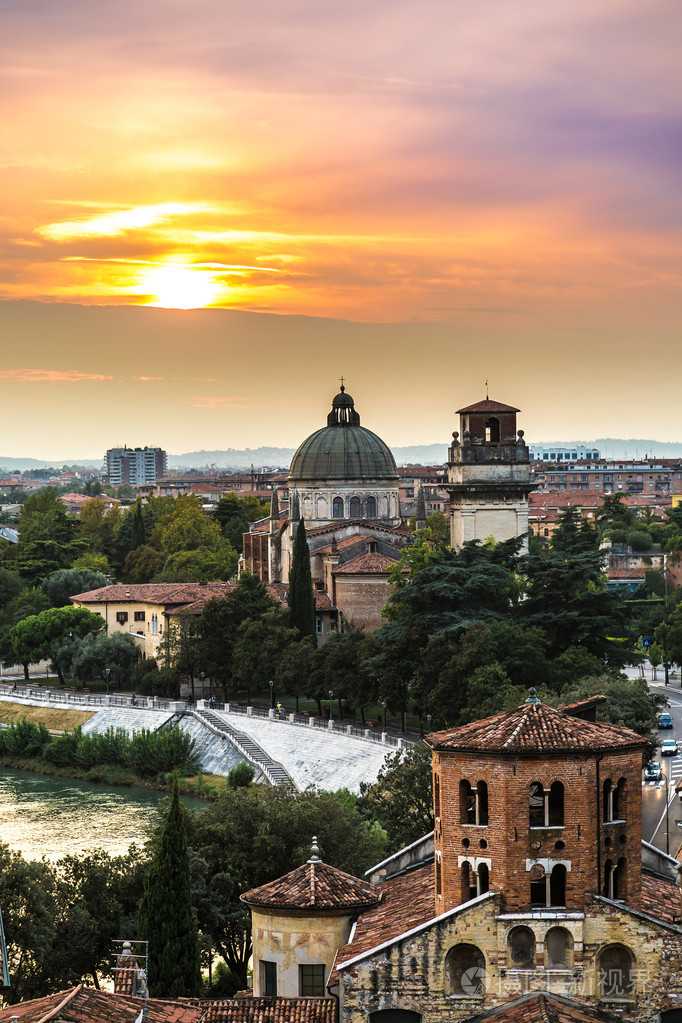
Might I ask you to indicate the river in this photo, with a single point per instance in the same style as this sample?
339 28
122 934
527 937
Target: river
54 817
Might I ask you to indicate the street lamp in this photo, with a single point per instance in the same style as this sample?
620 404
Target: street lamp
107 673
428 722
383 707
272 694
331 712
202 676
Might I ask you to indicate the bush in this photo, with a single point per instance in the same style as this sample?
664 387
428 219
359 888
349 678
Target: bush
639 540
241 774
24 739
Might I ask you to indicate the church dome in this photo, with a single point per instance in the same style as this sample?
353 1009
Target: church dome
343 449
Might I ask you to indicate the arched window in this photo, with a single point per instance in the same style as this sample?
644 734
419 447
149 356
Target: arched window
483 879
521 948
536 805
557 885
607 800
371 507
482 804
468 888
538 885
467 803
619 878
465 971
337 508
620 800
436 795
394 1016
607 887
355 508
616 972
492 430
555 808
546 806
558 949
473 803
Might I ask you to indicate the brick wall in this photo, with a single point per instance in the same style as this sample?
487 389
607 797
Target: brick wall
360 598
508 844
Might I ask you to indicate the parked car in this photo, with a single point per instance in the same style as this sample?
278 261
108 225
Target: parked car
669 748
665 721
653 772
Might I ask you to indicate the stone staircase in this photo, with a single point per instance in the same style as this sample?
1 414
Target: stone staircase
271 769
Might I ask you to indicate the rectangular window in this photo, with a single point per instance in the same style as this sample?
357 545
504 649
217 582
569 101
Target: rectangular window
268 977
318 624
121 617
139 616
311 980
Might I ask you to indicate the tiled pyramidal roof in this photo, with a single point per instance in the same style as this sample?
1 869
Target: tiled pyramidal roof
315 885
487 405
534 727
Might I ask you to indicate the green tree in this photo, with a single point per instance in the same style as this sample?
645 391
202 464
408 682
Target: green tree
37 636
301 597
29 909
47 540
67 582
166 918
259 644
629 703
141 564
401 799
199 565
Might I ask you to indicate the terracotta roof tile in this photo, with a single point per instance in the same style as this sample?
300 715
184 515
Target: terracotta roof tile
534 727
371 563
408 900
542 1007
268 1010
153 593
314 884
87 1005
661 899
487 406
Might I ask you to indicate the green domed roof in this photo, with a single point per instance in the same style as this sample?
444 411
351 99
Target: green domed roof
343 449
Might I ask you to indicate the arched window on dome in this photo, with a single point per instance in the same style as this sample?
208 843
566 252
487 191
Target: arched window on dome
355 508
337 508
371 507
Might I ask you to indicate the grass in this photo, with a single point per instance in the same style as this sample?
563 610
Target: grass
56 719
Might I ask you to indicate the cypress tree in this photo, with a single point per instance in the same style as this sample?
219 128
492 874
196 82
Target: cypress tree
166 918
301 598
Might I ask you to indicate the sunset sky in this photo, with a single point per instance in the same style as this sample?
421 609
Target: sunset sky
211 210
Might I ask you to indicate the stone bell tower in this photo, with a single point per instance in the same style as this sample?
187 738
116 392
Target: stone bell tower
488 475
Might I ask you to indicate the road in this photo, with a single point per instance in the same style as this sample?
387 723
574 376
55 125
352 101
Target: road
654 794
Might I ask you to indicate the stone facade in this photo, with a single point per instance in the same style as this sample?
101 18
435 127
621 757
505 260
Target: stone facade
294 939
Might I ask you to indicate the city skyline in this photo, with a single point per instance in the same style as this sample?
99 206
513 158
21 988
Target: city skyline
210 214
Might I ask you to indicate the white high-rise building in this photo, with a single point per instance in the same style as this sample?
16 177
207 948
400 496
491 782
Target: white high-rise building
135 465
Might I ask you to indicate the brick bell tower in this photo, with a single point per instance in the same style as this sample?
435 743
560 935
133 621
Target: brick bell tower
488 474
539 805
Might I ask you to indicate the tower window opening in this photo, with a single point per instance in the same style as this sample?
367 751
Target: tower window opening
355 508
546 806
492 430
483 885
614 800
371 507
436 795
469 886
473 803
337 508
548 889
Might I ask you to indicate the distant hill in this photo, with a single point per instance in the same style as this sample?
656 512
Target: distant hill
417 454
232 458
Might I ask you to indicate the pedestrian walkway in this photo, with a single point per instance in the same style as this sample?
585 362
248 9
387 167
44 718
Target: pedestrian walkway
272 770
314 757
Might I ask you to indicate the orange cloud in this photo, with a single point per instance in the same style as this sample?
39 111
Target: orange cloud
51 376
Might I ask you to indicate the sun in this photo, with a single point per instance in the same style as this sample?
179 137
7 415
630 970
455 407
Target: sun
180 287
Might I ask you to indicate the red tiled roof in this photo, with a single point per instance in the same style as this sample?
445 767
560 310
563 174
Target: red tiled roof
153 593
314 885
542 1007
278 592
534 727
371 563
408 900
87 1005
661 899
487 406
269 1010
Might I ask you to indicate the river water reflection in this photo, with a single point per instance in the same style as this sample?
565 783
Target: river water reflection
54 817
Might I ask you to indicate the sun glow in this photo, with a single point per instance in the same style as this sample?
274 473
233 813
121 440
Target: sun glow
180 287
